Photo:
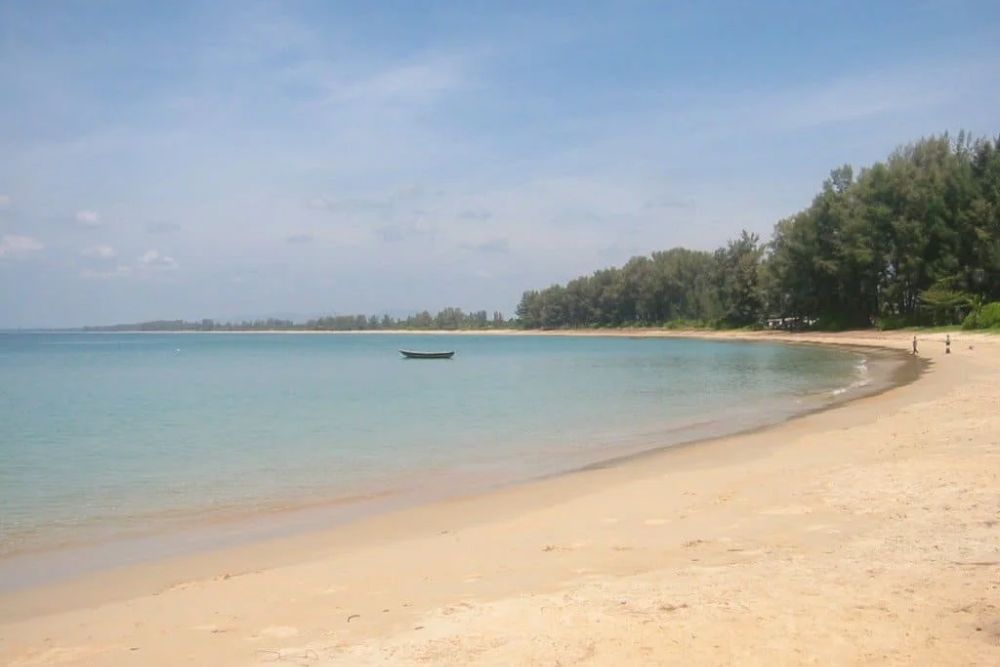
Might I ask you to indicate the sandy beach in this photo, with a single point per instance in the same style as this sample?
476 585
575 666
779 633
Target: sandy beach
865 534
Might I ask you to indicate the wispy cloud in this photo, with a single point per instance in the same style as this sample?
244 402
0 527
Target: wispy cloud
88 218
119 271
417 82
18 247
146 265
4 201
154 260
99 252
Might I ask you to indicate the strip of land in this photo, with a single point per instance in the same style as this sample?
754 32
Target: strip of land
869 533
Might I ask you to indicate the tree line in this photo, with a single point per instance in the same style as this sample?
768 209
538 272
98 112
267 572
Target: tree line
446 319
912 240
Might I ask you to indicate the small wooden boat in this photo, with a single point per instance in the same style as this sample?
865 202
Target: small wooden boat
410 354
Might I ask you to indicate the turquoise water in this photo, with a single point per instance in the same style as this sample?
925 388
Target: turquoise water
107 434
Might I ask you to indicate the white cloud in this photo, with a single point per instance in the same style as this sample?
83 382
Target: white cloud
99 252
15 246
155 261
88 218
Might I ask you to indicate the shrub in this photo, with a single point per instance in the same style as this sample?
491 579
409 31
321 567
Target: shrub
681 323
831 322
890 322
987 317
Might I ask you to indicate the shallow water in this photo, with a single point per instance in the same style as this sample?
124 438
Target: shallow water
103 435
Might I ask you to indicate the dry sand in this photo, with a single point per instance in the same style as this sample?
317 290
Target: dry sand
866 534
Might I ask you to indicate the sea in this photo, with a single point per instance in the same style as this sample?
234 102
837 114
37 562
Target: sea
114 444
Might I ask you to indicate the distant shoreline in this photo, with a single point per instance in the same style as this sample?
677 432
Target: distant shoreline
873 338
628 332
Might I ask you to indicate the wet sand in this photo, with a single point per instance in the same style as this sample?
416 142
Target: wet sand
868 533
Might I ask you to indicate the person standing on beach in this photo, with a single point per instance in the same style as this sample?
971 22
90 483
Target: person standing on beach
914 345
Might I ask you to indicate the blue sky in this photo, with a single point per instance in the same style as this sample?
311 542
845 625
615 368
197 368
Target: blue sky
225 159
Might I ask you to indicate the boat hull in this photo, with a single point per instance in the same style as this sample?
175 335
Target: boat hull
410 354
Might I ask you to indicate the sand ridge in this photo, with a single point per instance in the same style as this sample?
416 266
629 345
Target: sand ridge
867 534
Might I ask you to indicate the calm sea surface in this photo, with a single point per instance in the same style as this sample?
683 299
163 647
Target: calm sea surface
103 435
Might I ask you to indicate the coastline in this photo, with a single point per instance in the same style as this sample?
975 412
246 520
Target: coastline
459 578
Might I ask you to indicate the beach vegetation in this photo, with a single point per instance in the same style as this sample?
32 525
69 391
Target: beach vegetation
985 317
913 240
